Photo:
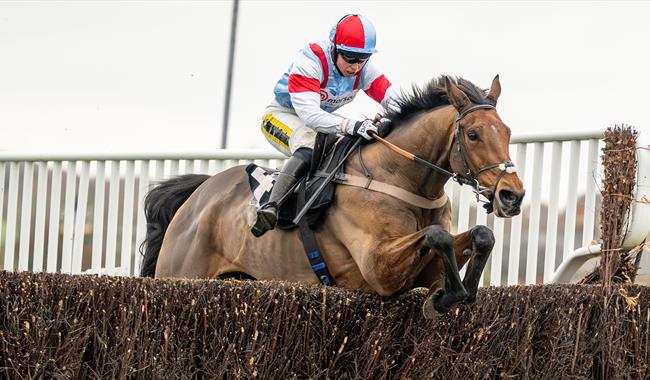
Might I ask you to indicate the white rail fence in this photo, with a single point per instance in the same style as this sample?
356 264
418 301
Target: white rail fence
77 213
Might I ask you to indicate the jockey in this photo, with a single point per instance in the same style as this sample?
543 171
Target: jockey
322 78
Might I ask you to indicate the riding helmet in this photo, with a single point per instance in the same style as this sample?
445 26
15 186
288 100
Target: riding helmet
355 35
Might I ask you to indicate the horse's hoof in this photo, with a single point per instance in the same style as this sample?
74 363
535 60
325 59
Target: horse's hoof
428 310
428 307
469 300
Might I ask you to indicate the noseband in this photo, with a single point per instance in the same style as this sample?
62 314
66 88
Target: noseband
468 178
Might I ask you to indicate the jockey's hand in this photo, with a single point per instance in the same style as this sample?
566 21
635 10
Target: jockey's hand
364 128
384 125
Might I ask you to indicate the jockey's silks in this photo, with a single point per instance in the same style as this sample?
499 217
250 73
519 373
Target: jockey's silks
314 88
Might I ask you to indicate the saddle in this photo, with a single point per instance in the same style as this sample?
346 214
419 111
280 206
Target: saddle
329 150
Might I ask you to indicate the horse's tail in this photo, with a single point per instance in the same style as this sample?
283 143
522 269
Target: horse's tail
160 205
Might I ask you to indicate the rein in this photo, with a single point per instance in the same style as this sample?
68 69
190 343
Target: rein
467 178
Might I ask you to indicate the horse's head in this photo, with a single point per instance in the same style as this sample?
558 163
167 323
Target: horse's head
480 154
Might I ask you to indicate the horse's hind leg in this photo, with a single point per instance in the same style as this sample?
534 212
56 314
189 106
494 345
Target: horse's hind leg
474 245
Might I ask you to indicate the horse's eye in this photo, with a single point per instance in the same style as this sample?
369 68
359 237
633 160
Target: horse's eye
472 135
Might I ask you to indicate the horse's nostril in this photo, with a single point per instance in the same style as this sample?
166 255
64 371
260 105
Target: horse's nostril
509 198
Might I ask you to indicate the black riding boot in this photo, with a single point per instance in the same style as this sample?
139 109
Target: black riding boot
292 172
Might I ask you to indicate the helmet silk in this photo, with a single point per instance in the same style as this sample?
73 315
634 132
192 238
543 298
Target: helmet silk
354 34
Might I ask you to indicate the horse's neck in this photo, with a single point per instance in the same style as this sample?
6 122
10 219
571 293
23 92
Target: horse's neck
429 137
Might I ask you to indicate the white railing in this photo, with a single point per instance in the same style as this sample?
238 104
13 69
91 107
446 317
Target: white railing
556 169
77 213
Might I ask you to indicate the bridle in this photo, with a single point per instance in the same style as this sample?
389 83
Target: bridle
467 178
505 167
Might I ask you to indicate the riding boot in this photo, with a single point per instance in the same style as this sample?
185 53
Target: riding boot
292 171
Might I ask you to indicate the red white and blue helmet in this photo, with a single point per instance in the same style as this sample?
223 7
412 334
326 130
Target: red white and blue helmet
354 34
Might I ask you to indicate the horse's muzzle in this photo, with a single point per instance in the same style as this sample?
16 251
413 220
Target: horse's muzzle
508 202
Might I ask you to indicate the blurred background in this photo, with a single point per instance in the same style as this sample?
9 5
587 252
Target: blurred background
118 76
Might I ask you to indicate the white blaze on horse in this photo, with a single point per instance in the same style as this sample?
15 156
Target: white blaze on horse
371 240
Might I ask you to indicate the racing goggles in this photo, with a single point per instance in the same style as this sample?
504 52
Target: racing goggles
353 58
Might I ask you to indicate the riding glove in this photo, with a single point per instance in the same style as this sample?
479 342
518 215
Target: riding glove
364 128
384 125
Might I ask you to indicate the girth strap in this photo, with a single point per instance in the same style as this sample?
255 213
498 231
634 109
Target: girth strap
311 245
397 192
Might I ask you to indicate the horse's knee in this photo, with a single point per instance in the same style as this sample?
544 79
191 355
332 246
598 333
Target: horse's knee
438 238
483 239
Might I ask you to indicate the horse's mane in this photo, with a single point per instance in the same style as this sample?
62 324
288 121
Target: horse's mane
432 95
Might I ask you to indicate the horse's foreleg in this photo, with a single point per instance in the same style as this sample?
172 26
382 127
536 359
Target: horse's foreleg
442 242
473 247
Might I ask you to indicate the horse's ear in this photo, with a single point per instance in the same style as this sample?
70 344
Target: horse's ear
495 91
457 98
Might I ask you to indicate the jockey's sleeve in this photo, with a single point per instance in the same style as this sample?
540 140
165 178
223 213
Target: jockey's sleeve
379 88
304 81
307 107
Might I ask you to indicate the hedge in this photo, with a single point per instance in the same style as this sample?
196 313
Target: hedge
62 326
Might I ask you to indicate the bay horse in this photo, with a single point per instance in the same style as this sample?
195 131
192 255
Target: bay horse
371 241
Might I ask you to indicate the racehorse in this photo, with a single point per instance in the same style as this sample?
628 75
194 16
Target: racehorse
370 240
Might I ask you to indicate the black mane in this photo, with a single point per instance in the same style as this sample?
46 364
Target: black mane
433 95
